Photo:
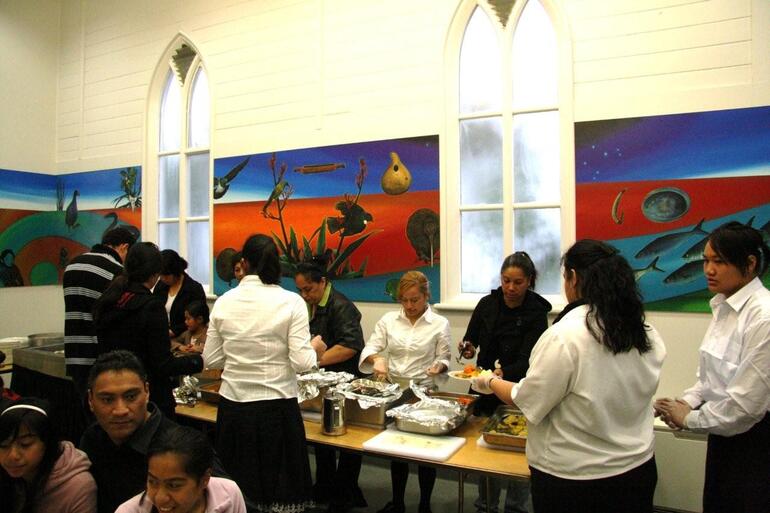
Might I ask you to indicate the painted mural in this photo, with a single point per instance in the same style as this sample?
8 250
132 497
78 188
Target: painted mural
655 187
46 220
371 209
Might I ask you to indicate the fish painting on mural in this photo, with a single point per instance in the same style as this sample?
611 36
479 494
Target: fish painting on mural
653 267
690 271
667 242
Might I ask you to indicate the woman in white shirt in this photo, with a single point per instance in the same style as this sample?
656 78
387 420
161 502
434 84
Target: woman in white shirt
587 394
258 332
417 343
731 399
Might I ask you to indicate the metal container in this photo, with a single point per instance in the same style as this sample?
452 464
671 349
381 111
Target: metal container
315 404
465 400
494 431
333 413
48 359
45 339
373 417
210 392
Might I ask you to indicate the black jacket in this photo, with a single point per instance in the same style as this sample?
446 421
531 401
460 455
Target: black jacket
531 320
138 323
339 322
190 291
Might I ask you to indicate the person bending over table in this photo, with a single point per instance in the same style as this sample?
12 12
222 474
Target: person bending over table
731 399
338 322
505 326
258 332
587 395
417 342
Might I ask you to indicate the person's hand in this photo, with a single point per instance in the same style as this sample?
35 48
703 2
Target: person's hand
318 345
380 367
436 368
466 349
481 383
672 412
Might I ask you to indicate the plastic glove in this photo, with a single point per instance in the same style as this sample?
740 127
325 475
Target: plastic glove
380 366
436 368
481 383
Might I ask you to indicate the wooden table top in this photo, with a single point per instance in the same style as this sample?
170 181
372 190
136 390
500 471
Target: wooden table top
469 458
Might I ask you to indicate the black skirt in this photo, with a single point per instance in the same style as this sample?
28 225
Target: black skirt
738 471
262 446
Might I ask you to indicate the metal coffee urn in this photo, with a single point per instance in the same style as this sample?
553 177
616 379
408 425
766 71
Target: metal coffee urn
333 412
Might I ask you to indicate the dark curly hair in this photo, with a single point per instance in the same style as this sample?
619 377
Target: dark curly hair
606 283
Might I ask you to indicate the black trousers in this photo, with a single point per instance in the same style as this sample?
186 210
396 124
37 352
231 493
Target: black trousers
738 471
399 474
630 492
335 481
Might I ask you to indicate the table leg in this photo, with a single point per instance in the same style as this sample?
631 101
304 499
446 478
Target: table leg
460 491
489 492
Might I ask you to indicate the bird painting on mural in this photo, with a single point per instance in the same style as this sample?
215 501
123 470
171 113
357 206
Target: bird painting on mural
71 214
222 184
274 194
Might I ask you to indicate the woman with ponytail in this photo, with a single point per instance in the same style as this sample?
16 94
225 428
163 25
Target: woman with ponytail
587 395
731 399
258 333
128 316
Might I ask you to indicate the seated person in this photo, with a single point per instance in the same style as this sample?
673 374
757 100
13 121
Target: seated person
179 478
38 472
196 318
126 424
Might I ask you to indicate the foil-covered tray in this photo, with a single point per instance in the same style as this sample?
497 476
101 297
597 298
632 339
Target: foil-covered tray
437 413
312 385
507 426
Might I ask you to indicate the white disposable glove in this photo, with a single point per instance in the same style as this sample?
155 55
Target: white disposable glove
481 384
380 366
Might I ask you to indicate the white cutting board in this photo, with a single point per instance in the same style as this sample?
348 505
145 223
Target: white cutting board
411 445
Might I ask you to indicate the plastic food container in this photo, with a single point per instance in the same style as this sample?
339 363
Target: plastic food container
507 426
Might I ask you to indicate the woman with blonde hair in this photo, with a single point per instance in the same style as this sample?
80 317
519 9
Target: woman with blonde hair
412 342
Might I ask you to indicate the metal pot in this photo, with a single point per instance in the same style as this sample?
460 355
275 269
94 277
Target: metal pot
333 412
45 339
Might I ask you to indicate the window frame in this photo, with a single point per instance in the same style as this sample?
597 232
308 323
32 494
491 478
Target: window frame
452 297
151 219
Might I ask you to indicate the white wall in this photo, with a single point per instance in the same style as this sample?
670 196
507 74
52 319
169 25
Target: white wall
300 73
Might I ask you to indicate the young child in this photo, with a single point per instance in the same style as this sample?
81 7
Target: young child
196 318
179 478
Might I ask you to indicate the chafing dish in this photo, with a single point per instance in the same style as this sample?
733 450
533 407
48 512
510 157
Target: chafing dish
507 426
439 414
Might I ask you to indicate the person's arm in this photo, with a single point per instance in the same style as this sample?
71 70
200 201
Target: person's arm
472 332
378 342
336 354
345 324
301 353
213 353
161 361
442 350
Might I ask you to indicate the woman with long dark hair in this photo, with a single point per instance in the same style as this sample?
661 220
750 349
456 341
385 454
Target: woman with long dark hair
258 332
504 327
731 399
179 466
587 395
128 316
38 472
176 289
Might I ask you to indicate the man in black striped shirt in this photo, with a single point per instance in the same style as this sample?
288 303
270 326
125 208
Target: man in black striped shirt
85 279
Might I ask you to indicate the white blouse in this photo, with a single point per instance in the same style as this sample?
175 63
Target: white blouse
412 349
259 334
589 411
733 388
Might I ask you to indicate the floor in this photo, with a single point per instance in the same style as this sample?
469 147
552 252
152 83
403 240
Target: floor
375 483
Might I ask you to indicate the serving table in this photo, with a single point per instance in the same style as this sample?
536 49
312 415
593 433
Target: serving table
469 459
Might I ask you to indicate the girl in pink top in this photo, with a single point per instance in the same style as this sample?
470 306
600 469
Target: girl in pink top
179 478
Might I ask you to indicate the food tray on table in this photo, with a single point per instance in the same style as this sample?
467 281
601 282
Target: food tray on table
434 419
507 426
210 392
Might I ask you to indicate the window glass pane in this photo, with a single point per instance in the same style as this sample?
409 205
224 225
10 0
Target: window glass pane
479 66
482 250
169 114
198 253
199 111
481 161
535 58
538 232
198 195
536 157
168 236
168 187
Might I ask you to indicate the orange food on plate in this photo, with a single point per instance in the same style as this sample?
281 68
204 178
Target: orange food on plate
470 371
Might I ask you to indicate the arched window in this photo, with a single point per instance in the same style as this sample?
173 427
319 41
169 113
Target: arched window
180 154
508 136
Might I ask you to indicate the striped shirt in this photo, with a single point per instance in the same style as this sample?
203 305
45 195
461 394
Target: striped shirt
84 280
